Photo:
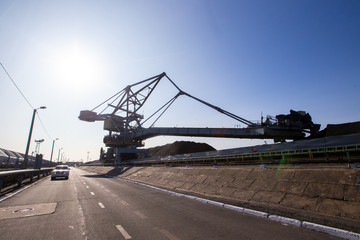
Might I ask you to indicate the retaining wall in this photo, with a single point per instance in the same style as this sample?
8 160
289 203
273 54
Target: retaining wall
327 195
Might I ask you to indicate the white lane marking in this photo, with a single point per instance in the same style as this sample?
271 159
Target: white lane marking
87 186
84 182
92 193
140 215
168 234
123 232
101 205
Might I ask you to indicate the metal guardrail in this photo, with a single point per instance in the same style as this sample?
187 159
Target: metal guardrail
17 176
347 153
333 154
344 154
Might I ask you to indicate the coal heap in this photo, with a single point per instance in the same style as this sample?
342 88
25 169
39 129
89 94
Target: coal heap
179 147
339 129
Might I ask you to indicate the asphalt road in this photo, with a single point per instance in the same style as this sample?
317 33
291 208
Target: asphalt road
90 206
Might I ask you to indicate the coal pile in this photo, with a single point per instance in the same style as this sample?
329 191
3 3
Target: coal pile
179 147
339 129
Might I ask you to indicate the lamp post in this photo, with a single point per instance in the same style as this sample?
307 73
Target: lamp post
59 155
52 149
29 138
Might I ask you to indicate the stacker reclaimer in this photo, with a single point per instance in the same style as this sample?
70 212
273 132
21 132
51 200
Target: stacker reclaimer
127 132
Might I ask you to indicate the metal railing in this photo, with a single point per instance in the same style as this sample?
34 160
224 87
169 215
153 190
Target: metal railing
8 178
333 154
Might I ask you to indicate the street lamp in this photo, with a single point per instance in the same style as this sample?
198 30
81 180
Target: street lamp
30 133
52 149
59 155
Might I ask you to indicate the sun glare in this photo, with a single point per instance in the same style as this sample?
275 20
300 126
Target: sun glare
75 67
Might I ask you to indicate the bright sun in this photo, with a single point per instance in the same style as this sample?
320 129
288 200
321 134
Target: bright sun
75 67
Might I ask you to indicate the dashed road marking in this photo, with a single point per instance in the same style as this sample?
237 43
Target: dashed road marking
92 193
101 205
123 232
87 186
168 234
140 215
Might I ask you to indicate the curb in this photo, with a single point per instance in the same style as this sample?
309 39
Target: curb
286 220
331 231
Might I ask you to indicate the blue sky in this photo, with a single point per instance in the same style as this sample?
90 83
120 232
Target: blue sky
248 57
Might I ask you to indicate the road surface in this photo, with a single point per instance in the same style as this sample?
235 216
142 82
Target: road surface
91 206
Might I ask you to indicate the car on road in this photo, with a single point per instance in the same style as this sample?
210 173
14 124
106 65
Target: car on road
60 171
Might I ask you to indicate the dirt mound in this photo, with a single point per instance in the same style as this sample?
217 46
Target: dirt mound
340 129
181 147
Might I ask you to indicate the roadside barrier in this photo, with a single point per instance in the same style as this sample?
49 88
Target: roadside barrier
8 178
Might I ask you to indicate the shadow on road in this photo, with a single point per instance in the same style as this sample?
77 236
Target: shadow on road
94 176
118 171
59 179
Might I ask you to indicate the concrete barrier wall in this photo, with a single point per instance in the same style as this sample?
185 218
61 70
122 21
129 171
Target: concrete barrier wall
320 193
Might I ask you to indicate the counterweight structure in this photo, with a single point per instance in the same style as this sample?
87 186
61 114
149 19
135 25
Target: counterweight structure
127 132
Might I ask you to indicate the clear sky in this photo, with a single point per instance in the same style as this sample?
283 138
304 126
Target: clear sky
248 57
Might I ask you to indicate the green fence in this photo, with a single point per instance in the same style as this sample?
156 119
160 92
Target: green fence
338 154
